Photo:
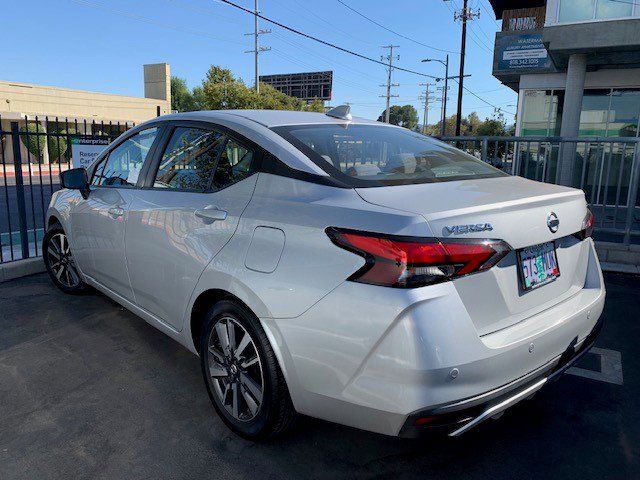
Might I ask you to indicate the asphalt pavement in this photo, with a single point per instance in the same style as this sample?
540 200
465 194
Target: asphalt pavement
88 390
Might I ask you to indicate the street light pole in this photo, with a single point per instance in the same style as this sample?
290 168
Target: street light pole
444 92
444 97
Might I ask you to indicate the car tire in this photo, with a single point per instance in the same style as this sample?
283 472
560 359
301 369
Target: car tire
242 375
60 263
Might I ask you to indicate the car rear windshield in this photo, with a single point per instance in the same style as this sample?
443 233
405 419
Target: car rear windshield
376 155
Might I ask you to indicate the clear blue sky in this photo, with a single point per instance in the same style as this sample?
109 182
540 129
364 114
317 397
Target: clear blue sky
100 45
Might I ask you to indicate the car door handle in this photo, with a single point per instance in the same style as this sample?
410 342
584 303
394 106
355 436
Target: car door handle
116 212
211 213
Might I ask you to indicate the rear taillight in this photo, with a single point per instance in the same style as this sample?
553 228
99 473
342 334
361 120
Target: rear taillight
409 262
587 226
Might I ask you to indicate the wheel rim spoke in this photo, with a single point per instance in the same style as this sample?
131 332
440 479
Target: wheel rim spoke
235 370
251 403
219 357
217 371
231 335
221 330
246 340
247 363
61 261
250 384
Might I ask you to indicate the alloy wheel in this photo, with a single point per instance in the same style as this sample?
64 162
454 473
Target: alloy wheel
61 261
234 369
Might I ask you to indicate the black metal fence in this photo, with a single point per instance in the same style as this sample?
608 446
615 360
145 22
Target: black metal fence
606 169
33 152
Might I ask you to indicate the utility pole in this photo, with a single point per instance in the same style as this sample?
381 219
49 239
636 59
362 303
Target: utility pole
464 15
389 57
427 101
257 49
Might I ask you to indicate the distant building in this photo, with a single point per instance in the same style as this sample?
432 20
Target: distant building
78 111
18 100
307 86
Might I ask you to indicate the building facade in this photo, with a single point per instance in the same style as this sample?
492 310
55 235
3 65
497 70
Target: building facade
588 48
575 65
19 100
65 112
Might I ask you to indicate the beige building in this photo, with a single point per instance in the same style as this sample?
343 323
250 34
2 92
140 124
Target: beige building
18 100
75 110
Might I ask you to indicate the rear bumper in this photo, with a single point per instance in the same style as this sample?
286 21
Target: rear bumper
376 358
462 416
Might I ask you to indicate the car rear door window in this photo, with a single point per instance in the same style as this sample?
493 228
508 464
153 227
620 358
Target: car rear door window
189 159
124 163
234 165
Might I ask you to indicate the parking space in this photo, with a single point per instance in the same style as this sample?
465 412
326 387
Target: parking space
88 390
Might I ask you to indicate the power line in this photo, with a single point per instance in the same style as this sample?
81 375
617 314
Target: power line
392 31
328 44
326 22
151 21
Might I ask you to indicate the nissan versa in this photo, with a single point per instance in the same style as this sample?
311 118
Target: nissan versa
334 267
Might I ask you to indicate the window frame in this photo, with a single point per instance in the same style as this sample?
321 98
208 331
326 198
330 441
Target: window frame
171 126
635 11
104 157
347 181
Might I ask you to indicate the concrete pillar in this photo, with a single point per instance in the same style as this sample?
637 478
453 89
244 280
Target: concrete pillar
570 126
157 81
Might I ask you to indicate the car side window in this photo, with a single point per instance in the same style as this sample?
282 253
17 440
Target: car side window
124 163
189 159
97 173
234 165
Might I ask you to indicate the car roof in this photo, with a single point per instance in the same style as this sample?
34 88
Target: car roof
270 118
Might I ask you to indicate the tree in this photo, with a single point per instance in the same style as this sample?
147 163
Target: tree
492 127
222 91
404 116
182 99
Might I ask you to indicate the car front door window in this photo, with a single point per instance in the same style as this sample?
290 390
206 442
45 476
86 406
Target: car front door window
124 163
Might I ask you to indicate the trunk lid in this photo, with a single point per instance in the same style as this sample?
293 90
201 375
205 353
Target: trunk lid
517 211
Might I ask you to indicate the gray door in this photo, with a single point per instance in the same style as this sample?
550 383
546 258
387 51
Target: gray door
177 225
99 221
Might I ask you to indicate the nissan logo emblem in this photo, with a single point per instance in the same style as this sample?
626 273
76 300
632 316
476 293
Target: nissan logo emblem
552 222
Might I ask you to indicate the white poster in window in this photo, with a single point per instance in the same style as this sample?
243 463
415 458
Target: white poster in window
85 150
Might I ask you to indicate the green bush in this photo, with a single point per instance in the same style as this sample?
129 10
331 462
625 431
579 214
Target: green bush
57 145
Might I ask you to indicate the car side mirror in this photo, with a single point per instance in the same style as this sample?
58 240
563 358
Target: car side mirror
76 179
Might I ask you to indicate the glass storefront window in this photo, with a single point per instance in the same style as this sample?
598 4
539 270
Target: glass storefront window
624 113
605 113
581 10
576 10
614 9
595 113
542 112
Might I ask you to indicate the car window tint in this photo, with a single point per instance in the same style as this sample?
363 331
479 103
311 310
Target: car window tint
234 165
124 162
189 159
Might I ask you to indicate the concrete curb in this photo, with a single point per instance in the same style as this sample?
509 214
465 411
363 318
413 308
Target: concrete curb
619 268
21 268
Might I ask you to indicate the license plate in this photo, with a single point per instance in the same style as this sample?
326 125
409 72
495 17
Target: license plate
538 265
